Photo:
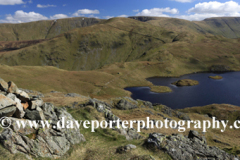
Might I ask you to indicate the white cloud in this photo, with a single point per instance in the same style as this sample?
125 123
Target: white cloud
215 7
93 16
123 15
107 17
58 16
85 11
158 12
212 9
184 1
21 16
10 2
45 6
136 10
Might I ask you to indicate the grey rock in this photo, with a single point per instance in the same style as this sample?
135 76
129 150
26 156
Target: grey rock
36 103
72 95
3 85
125 105
32 115
148 104
32 93
23 96
49 111
8 111
172 113
39 142
131 146
191 147
100 107
124 149
6 102
12 87
19 112
7 106
109 116
133 134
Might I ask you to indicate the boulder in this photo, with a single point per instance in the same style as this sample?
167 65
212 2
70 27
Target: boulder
3 85
8 111
35 103
23 96
148 104
49 111
124 149
19 112
191 147
12 87
32 115
109 116
125 105
7 106
38 142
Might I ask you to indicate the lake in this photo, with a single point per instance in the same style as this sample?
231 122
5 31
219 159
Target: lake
209 91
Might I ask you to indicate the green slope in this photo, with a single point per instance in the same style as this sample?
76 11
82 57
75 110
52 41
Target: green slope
88 48
127 40
42 29
222 26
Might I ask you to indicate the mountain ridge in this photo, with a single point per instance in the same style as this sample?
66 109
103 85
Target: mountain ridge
44 29
221 26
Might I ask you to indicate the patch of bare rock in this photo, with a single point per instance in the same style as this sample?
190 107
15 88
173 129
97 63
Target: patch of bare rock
16 104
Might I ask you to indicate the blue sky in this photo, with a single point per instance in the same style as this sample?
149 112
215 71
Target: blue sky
17 11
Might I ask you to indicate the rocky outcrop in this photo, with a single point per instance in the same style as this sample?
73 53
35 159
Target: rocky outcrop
125 105
143 18
186 82
192 147
36 139
172 113
103 107
219 68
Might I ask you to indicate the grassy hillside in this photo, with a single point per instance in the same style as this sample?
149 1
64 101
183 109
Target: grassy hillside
227 27
100 60
88 48
222 26
42 29
126 40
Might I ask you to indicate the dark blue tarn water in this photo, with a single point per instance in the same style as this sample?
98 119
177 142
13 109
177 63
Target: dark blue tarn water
208 91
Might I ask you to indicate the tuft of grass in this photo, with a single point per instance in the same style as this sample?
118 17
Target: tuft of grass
216 77
160 89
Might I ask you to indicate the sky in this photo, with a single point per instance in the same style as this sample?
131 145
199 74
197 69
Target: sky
19 11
